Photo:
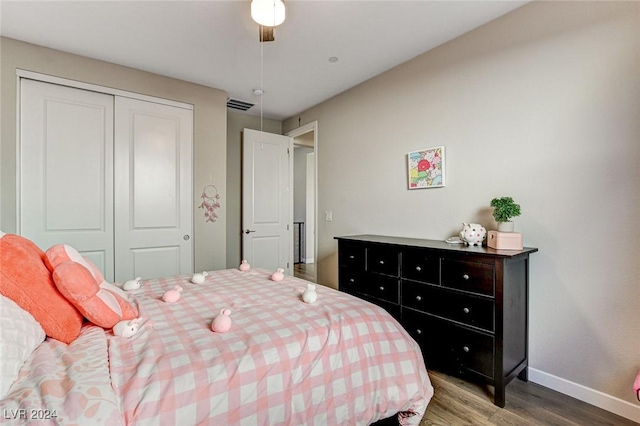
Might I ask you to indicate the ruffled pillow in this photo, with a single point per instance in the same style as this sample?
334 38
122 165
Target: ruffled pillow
25 279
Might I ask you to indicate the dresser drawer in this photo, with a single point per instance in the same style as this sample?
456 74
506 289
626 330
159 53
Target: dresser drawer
377 286
450 347
469 276
392 308
351 281
382 287
462 308
383 260
421 265
352 256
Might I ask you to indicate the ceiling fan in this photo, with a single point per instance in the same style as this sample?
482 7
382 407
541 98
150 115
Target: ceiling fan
266 33
268 14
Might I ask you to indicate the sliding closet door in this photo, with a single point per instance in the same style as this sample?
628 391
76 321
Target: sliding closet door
153 187
66 170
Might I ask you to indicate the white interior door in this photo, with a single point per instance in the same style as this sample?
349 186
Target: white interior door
267 203
66 170
153 186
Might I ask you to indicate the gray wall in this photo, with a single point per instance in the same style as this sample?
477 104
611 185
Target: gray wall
543 105
236 122
210 129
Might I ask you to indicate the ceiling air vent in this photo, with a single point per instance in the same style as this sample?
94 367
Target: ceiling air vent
238 104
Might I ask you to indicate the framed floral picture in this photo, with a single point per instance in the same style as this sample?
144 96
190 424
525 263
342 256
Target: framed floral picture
426 168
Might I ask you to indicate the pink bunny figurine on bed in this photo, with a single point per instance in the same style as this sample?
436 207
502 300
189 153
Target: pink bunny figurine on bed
278 275
172 295
244 265
222 322
126 328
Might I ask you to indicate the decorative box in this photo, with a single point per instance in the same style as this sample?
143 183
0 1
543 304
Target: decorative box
504 240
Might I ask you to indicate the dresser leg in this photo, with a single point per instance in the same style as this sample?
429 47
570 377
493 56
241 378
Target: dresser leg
524 374
499 397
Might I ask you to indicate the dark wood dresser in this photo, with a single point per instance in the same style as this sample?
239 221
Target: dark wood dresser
467 307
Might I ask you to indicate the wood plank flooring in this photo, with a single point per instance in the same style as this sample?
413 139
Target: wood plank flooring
457 402
306 271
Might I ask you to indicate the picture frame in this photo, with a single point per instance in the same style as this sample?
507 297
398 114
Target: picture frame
426 168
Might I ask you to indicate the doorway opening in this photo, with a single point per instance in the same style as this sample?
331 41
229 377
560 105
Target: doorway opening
305 144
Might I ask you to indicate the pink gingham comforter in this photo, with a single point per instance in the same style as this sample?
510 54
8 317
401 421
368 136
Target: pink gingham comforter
339 361
63 384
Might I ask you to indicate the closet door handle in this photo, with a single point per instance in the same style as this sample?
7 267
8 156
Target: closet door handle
186 237
248 231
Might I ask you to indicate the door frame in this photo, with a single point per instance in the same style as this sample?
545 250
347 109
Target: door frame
311 127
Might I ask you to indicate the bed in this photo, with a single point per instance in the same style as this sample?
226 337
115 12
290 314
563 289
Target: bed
338 361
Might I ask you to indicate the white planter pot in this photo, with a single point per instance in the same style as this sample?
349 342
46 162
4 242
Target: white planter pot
505 226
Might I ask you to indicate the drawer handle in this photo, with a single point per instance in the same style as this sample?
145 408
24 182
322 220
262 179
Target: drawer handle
352 280
381 288
382 262
352 257
465 276
418 298
418 268
418 331
466 348
466 310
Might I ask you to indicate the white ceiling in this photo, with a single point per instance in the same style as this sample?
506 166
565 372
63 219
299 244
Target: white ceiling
215 43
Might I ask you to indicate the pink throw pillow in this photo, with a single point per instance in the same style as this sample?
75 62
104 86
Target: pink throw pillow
25 279
82 283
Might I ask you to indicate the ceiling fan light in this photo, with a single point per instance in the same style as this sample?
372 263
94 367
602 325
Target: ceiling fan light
269 13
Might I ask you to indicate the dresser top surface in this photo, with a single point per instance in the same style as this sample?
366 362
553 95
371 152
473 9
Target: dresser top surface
435 244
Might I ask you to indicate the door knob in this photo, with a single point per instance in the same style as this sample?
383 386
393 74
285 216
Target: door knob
186 237
248 231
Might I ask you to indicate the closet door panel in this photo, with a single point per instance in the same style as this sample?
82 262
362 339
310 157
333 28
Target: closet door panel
66 170
153 181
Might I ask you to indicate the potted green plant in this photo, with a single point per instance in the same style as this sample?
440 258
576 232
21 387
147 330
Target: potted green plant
504 209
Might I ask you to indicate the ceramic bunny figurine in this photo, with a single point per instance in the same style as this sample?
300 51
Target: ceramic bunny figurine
278 275
222 322
244 265
126 328
172 296
310 295
199 278
132 284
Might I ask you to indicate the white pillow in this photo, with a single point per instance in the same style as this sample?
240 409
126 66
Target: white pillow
20 334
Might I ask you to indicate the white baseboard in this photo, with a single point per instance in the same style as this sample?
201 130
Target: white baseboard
591 396
307 260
